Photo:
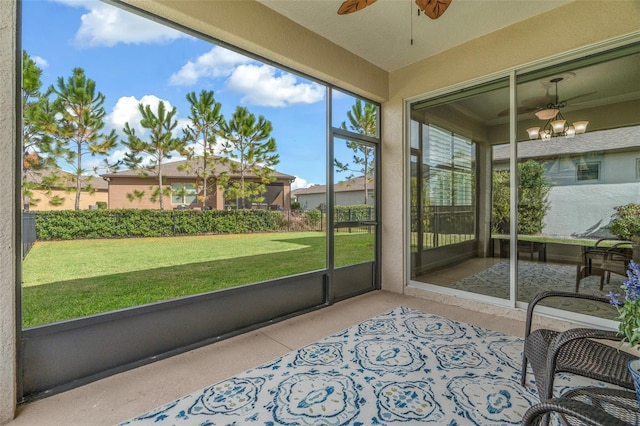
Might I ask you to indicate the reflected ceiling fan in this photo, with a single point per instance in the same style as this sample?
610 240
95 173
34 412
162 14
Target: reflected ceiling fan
546 102
432 8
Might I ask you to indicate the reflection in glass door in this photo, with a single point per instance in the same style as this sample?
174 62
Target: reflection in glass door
354 216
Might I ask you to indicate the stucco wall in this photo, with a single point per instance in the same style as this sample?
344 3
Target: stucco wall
120 188
8 249
69 203
584 210
312 201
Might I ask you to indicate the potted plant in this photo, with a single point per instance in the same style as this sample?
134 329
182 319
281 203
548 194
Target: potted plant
629 317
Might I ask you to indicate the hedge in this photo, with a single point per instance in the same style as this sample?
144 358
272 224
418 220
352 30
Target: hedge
354 213
123 223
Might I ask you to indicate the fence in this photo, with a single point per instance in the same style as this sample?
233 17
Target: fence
28 232
444 225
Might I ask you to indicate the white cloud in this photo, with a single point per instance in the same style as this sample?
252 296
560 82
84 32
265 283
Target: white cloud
261 86
95 165
126 111
218 62
41 62
106 25
300 183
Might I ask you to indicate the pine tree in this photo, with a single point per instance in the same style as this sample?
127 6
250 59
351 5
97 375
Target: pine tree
363 121
39 150
252 151
206 121
81 120
162 144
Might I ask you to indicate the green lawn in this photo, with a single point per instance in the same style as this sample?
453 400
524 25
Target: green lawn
70 279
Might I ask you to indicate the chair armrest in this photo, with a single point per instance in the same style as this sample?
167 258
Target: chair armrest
586 414
546 294
565 337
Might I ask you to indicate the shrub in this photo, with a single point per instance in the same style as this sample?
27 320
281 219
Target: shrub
533 201
313 217
354 213
626 222
124 223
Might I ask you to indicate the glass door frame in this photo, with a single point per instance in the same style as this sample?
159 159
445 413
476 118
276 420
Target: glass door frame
337 276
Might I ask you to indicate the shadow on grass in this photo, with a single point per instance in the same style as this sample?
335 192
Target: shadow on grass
76 298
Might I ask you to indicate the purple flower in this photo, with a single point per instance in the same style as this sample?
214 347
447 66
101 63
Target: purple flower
632 285
614 299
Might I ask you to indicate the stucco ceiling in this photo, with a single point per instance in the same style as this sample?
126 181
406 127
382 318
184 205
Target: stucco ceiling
382 32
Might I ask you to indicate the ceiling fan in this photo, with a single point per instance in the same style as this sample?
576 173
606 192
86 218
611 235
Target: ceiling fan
547 102
432 8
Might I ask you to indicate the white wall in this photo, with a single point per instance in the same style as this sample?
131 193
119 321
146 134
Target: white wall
312 201
620 167
8 249
582 209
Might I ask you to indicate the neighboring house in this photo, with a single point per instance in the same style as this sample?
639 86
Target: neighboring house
347 193
185 189
601 168
64 189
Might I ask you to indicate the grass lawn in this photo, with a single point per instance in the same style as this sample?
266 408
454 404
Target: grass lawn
71 279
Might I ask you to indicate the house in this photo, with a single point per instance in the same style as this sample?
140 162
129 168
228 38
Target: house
347 193
60 194
423 75
186 187
599 162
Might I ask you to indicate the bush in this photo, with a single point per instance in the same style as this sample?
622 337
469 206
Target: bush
626 222
124 223
533 201
313 217
354 213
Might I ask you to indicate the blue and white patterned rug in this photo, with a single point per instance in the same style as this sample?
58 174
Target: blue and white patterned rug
401 367
535 277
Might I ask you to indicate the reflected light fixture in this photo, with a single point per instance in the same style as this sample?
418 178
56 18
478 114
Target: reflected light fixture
556 125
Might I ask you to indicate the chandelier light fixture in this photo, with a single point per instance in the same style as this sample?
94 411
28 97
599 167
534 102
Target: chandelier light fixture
556 125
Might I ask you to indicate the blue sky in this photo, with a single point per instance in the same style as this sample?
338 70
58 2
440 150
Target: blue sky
135 60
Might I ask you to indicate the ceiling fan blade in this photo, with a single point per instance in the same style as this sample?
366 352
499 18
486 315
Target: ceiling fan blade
433 8
573 98
350 6
521 110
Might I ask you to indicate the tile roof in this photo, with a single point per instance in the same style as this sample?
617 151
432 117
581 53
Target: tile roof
620 139
97 182
171 170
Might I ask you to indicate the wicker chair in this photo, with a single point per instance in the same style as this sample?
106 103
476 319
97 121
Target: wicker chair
588 406
572 351
605 257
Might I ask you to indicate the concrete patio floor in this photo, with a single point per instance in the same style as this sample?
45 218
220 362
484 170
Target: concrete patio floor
125 395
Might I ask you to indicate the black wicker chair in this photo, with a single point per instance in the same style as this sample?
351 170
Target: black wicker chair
572 351
607 256
588 406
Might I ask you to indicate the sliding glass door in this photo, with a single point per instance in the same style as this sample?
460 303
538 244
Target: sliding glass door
539 173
